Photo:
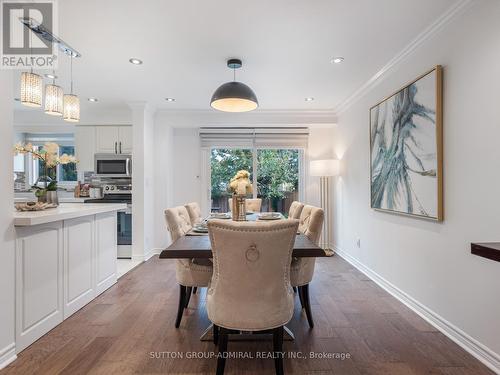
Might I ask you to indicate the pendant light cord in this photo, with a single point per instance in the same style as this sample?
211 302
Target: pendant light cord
234 74
71 72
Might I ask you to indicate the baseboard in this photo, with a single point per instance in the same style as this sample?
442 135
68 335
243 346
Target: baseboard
484 354
7 355
153 252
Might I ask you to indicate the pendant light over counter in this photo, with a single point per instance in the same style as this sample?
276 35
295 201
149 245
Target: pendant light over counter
31 89
71 102
53 98
234 96
56 103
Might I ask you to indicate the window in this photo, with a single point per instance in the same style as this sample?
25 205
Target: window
225 162
275 181
274 156
65 175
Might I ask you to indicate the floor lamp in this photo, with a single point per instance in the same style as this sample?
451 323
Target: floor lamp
325 170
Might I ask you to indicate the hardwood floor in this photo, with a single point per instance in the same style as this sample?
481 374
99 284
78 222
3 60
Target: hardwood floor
130 329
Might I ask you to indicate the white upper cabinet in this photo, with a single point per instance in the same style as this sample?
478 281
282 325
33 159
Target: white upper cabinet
125 139
114 139
85 147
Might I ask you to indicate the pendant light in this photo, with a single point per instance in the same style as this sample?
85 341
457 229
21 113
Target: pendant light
53 98
31 89
234 96
31 86
71 101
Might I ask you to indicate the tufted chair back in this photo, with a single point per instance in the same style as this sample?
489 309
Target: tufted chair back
250 287
251 204
311 222
295 210
178 222
194 212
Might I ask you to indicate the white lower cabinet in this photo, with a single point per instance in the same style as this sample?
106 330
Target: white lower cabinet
79 249
106 272
39 282
60 267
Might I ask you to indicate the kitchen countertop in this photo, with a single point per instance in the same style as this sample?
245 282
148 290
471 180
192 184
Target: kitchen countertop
63 212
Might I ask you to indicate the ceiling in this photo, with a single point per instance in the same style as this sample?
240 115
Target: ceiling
286 47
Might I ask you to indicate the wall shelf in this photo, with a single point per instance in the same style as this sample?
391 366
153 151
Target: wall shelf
489 250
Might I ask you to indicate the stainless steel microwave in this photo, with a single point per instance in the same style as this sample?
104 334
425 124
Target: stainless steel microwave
113 165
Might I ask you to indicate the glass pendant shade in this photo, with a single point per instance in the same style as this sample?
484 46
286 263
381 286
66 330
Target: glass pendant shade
54 100
234 97
31 89
71 108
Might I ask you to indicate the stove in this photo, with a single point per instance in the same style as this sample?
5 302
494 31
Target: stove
113 198
124 221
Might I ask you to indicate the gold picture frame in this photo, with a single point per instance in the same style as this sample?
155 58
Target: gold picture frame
406 149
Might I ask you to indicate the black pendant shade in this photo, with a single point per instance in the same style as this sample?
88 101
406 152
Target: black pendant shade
234 96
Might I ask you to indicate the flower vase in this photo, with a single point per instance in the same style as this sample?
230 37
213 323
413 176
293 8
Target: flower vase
52 197
239 207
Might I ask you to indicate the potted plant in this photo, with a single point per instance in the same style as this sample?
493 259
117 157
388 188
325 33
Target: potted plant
46 186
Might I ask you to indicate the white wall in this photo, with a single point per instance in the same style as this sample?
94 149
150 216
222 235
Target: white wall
7 234
431 262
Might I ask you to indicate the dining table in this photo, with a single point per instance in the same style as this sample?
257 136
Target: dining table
196 245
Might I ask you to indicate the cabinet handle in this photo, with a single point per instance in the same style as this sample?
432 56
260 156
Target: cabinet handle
116 151
120 147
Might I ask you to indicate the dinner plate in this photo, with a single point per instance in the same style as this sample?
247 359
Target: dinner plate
200 230
220 216
274 216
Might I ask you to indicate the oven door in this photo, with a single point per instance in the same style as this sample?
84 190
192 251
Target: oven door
110 165
124 233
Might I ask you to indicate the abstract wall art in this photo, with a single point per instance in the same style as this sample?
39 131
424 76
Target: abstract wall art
406 149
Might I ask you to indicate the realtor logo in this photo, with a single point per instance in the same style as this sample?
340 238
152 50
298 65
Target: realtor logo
23 48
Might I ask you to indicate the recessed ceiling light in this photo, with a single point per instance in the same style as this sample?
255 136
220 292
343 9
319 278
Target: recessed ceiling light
337 60
170 99
93 100
50 76
135 61
309 99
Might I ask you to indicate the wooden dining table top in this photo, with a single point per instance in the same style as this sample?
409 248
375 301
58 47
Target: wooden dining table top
199 246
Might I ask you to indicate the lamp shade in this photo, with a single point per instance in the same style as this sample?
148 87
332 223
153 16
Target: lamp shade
53 100
234 97
324 168
31 89
71 108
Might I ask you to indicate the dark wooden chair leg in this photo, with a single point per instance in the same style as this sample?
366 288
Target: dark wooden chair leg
216 334
301 297
221 359
188 295
195 289
182 301
307 302
278 349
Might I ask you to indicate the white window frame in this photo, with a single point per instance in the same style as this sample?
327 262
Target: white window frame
206 170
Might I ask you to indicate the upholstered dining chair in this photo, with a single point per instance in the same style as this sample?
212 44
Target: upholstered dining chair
302 269
295 210
190 273
251 204
250 288
194 212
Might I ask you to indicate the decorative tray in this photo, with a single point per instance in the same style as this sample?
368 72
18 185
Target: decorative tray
34 206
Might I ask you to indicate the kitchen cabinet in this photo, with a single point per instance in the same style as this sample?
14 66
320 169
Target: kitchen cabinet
114 139
61 265
85 148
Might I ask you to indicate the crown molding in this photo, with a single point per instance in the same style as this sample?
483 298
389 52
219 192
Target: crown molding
430 31
197 118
